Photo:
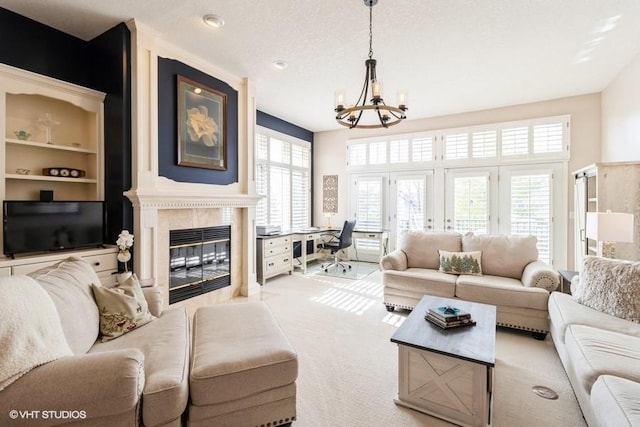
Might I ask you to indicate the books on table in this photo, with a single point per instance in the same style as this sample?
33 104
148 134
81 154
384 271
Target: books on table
449 317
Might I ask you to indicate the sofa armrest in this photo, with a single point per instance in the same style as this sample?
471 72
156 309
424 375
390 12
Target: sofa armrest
396 260
540 275
100 384
153 295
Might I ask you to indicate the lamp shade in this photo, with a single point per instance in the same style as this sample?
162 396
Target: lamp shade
610 226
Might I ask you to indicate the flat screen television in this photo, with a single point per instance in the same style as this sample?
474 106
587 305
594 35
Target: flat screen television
33 226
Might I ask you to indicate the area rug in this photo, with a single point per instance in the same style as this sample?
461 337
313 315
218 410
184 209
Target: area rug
359 270
348 368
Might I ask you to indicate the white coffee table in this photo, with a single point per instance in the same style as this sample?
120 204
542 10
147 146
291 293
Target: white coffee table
447 373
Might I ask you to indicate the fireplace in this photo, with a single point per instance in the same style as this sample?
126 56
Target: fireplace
199 261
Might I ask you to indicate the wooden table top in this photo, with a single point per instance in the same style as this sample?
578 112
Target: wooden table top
473 343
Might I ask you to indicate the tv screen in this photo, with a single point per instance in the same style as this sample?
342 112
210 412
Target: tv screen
31 226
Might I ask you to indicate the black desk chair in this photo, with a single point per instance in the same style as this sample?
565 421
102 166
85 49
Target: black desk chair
338 243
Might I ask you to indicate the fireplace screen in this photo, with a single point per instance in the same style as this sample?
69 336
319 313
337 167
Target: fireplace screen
199 261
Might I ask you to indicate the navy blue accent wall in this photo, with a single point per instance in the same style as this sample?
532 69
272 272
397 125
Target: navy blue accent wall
279 125
102 64
111 55
33 46
168 167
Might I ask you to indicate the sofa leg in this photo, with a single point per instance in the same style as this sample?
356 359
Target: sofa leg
390 308
539 335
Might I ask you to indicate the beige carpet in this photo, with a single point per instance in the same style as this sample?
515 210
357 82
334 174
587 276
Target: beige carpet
348 366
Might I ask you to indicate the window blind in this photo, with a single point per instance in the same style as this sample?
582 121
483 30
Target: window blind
515 141
456 146
484 144
547 138
422 149
399 151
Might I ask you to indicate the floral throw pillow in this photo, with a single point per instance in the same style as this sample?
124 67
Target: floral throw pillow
122 308
461 262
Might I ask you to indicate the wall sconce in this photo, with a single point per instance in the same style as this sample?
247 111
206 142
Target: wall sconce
329 197
609 227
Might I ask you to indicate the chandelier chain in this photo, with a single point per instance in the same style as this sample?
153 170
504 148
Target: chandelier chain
370 32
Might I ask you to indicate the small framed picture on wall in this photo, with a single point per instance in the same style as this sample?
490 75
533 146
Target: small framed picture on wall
202 115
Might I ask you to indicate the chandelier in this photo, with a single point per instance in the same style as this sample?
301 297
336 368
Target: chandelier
380 114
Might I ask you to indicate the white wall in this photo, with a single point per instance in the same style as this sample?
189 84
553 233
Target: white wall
585 110
621 115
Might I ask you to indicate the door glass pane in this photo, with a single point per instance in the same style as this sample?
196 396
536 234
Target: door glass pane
471 204
409 204
369 204
531 210
279 197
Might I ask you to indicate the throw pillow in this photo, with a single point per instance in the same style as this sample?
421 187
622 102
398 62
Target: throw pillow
461 262
123 308
611 286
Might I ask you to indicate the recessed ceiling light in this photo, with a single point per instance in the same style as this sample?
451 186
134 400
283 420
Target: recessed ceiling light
280 64
213 21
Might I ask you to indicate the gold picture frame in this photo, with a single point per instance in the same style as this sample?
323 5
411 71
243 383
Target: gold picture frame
202 130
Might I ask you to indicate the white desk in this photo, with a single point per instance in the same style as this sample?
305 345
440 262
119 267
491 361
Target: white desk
303 237
319 235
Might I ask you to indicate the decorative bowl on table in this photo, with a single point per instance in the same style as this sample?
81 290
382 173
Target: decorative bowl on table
22 135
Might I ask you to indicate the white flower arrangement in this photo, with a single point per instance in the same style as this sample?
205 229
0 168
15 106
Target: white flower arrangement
124 242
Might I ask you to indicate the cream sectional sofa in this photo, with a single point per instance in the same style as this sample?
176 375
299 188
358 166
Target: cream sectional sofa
512 277
599 351
140 378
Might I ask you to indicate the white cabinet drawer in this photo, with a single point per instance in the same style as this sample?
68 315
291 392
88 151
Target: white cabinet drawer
277 263
278 250
103 263
277 241
30 268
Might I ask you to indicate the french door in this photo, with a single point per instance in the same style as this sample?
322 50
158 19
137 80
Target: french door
471 200
410 202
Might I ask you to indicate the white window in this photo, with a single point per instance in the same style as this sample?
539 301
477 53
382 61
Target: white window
515 141
456 146
467 206
283 177
357 154
367 198
399 151
378 153
484 144
548 138
422 149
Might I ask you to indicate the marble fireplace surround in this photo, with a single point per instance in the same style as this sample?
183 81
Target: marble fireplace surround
158 212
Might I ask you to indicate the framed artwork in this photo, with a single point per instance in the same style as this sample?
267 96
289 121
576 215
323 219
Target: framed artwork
330 194
202 133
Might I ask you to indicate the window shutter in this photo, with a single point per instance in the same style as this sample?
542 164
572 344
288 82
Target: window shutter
279 197
456 146
515 141
262 144
369 204
484 144
300 200
357 154
280 151
547 138
399 151
422 149
378 153
262 216
531 210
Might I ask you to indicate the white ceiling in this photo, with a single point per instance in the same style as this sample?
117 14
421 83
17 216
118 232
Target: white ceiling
451 56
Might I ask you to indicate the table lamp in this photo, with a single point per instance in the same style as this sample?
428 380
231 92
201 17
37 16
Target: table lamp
608 227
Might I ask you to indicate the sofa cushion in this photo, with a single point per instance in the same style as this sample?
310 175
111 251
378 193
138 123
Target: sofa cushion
502 255
594 352
422 247
69 285
611 286
501 291
422 281
564 311
615 402
165 346
461 262
122 307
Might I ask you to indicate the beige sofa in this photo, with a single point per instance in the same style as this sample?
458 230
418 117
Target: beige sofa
599 351
512 277
140 378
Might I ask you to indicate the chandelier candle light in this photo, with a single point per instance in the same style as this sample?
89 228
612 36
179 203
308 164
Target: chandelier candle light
124 242
384 115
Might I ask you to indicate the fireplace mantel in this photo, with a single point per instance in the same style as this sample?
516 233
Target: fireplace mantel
164 199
